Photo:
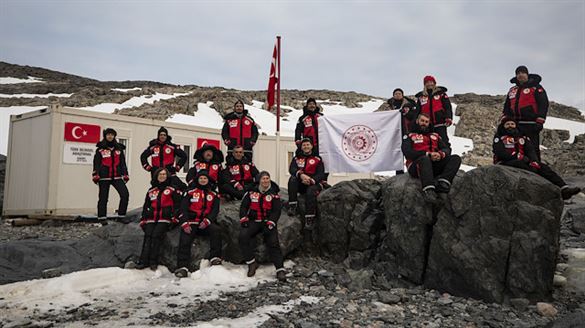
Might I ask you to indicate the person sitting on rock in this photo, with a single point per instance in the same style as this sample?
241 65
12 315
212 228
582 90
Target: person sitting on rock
434 102
109 169
429 159
513 148
199 210
206 158
259 213
160 210
163 153
239 129
307 172
238 176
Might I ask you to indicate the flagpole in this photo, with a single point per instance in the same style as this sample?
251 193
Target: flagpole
278 159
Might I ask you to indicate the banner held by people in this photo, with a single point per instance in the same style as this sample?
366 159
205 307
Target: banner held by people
361 142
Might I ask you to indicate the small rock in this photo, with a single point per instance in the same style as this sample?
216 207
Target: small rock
445 299
561 267
546 309
388 298
51 273
559 281
519 304
325 273
18 323
130 265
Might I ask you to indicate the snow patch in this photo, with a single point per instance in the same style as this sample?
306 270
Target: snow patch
205 116
5 113
29 95
15 80
132 102
574 127
126 89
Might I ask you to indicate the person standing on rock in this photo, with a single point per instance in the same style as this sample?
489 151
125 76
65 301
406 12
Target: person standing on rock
307 174
199 210
206 158
238 176
109 169
160 210
163 153
527 104
429 158
308 126
239 129
403 104
513 148
434 102
259 213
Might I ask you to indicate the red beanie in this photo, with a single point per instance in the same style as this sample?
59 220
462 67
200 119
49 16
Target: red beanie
429 78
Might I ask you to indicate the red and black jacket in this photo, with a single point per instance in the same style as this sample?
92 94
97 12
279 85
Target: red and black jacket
311 165
239 130
262 206
199 203
163 155
417 144
239 172
507 147
527 103
109 162
161 204
213 166
308 127
437 105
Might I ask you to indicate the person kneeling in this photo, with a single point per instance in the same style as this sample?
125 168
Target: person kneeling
158 213
306 175
238 176
429 158
199 208
512 148
259 212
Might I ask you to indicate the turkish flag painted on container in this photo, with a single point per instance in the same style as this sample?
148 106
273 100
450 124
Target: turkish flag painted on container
79 132
204 141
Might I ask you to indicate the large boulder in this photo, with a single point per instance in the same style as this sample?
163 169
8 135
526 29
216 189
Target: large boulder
116 243
497 236
350 218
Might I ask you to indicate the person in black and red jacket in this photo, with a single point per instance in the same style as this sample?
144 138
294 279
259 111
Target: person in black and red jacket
206 158
109 169
307 174
199 210
238 176
308 126
259 213
429 158
239 128
434 102
159 212
512 148
527 104
163 152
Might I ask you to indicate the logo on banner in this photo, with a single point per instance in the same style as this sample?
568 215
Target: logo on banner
359 143
79 132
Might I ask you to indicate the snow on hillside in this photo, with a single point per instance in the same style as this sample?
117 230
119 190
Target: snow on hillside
131 289
132 102
5 113
28 95
126 89
574 127
205 116
14 80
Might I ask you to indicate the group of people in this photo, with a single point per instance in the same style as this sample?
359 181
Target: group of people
194 205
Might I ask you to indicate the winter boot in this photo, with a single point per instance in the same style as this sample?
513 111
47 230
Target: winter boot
430 196
215 261
181 272
443 186
292 209
153 267
568 192
252 267
309 221
281 275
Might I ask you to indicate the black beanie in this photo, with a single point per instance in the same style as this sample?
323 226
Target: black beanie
398 89
311 100
162 129
262 174
521 69
109 131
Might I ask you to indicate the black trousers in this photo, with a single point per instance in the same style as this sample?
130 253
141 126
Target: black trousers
311 192
442 131
229 189
154 234
532 131
545 171
186 240
248 242
427 170
120 186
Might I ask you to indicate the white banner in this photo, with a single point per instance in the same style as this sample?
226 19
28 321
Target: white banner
361 142
78 153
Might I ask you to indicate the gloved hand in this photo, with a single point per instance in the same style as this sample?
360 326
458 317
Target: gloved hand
126 178
95 179
204 224
148 167
252 143
177 168
227 141
535 165
270 224
142 224
448 122
244 222
186 228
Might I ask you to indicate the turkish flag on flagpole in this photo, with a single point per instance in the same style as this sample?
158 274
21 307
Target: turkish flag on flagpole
274 83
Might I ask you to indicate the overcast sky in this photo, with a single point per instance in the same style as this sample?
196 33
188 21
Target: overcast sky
365 46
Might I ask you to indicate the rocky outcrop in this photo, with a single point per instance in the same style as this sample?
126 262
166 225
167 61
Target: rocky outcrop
568 159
